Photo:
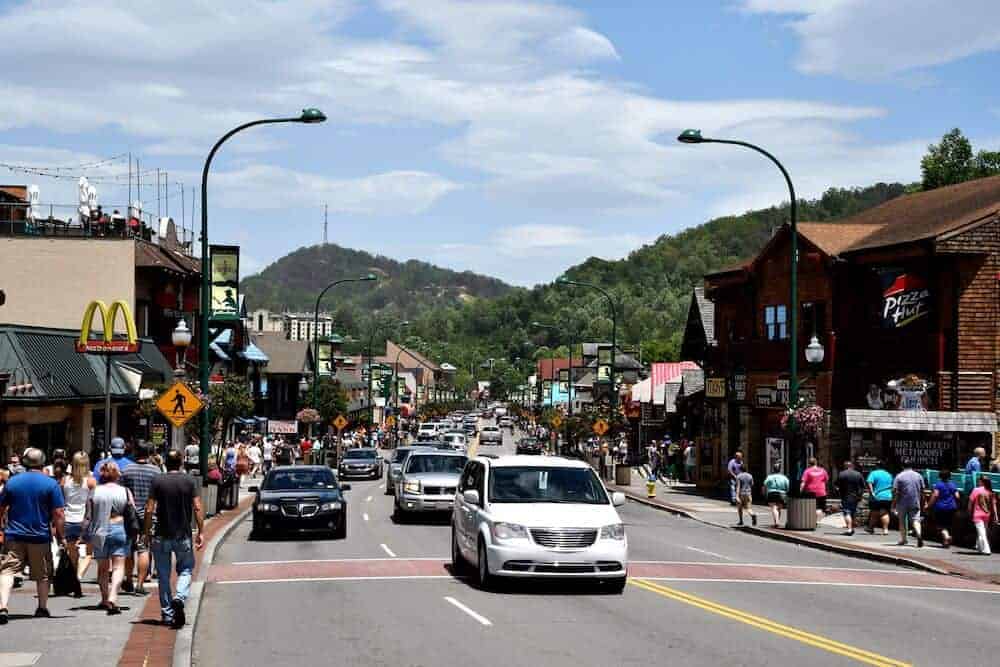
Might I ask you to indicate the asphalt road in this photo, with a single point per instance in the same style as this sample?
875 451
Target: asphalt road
698 594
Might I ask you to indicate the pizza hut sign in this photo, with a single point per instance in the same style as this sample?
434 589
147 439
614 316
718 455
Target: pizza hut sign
905 298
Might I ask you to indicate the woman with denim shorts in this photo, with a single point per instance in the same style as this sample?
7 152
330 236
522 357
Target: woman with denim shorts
106 528
77 488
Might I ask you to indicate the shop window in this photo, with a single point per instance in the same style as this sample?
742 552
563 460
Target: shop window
776 322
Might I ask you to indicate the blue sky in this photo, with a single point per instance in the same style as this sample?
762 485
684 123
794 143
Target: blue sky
509 137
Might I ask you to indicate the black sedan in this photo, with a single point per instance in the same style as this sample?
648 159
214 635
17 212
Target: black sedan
301 499
530 446
363 462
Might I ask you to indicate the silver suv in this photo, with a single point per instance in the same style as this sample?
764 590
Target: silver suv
491 435
427 482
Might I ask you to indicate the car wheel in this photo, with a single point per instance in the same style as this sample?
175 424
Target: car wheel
458 562
341 531
483 576
616 586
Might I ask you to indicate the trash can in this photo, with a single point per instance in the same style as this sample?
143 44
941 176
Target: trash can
623 475
801 514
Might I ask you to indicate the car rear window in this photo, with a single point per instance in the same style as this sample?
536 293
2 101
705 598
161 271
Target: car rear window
360 454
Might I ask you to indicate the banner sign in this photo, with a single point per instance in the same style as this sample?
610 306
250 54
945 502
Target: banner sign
905 298
740 386
603 375
325 358
282 427
563 375
225 276
715 388
107 344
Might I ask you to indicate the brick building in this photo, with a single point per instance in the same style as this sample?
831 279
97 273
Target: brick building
903 297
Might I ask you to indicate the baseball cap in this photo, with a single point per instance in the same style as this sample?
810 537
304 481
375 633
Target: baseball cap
117 446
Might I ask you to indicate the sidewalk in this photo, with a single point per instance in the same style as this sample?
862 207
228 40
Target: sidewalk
81 634
685 499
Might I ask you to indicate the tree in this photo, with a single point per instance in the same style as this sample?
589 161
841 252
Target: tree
331 400
948 162
987 163
229 400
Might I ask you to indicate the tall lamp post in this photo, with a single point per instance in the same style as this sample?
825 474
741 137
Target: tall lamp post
614 337
395 377
307 116
315 382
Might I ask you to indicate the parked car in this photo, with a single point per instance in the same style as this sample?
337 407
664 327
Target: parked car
363 462
427 482
299 499
530 446
518 516
491 435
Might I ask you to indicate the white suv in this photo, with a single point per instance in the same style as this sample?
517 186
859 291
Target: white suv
525 516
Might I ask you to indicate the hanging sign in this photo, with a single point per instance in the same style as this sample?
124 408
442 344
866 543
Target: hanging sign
225 276
715 388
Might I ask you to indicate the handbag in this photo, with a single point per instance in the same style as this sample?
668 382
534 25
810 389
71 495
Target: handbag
131 520
65 581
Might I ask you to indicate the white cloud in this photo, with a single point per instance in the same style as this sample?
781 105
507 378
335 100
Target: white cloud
861 39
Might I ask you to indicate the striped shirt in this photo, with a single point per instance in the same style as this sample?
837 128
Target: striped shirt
137 479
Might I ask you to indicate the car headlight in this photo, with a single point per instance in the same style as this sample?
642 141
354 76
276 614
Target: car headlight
615 531
509 531
331 507
268 507
412 487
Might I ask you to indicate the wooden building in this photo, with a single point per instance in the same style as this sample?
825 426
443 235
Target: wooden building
903 298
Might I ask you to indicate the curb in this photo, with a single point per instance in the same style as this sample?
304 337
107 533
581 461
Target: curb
803 541
184 642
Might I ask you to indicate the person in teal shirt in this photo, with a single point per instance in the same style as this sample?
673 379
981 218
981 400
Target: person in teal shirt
776 491
880 501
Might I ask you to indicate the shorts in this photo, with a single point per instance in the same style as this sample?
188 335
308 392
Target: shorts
775 498
821 502
116 544
73 531
849 506
908 515
746 502
879 505
36 556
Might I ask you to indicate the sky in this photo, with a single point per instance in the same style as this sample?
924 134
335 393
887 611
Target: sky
513 138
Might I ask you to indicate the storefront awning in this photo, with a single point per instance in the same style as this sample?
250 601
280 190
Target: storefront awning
913 420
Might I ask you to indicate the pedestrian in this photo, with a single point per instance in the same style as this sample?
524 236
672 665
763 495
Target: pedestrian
776 487
58 456
975 463
138 479
851 485
267 455
983 509
229 458
690 462
944 504
33 507
880 497
105 524
117 456
192 457
77 488
744 491
14 465
307 445
242 463
907 499
254 453
173 501
734 467
814 480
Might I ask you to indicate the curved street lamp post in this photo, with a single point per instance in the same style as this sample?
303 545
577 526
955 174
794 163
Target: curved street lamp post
315 382
308 116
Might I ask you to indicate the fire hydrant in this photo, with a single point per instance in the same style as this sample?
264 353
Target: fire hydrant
651 488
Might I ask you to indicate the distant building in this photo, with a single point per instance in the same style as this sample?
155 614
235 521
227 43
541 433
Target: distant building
300 326
264 321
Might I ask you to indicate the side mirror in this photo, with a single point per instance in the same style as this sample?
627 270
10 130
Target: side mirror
471 496
617 498
347 487
253 489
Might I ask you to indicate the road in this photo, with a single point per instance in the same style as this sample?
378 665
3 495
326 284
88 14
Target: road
698 595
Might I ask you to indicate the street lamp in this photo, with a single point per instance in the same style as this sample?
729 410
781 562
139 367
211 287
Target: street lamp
694 137
614 337
308 116
181 338
815 351
369 277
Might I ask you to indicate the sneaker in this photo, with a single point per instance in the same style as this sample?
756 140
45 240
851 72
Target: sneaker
902 543
178 608
3 616
42 612
114 610
127 587
753 519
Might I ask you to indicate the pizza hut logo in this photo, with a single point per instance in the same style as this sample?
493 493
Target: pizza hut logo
905 299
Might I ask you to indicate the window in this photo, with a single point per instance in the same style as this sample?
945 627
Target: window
776 322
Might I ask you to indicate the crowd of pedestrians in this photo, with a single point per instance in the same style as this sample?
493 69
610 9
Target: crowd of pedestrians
114 513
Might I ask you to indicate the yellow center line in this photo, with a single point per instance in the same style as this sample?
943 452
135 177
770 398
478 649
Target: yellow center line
762 623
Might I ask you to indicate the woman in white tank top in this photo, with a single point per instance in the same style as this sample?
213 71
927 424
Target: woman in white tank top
77 488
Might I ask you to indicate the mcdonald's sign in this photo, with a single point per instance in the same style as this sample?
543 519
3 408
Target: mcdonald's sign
108 344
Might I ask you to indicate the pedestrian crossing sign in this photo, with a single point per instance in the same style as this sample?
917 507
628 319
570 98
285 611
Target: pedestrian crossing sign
600 427
340 422
179 404
390 421
557 422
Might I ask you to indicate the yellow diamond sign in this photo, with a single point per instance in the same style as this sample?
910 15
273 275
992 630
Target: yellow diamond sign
390 421
600 427
557 422
340 422
179 404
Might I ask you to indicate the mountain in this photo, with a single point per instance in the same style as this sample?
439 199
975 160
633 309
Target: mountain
403 290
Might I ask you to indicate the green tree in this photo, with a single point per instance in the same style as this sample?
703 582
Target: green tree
987 163
331 400
229 400
948 162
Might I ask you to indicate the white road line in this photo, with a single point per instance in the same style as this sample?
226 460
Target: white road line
368 499
365 516
308 579
708 553
479 617
444 559
840 584
388 551
781 565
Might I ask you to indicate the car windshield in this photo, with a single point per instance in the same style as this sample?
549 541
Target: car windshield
400 455
546 485
360 454
431 463
299 480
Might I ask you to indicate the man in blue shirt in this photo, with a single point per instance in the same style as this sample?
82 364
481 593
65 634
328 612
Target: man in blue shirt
33 504
975 464
117 455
